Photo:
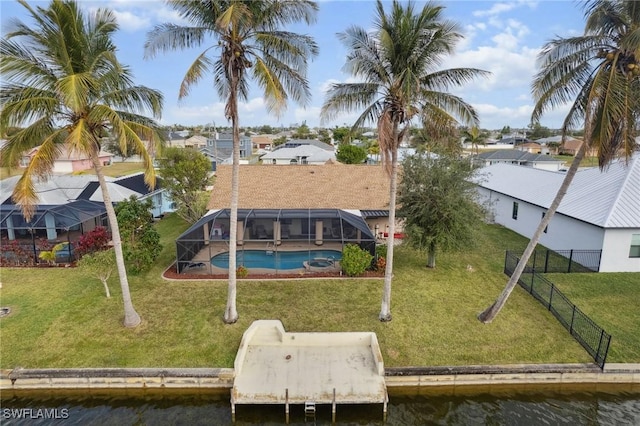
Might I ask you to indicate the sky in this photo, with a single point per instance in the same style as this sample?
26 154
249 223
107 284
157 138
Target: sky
503 37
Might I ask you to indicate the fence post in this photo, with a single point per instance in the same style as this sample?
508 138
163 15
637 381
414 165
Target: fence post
551 295
573 315
570 260
533 277
535 252
600 343
546 261
606 352
506 259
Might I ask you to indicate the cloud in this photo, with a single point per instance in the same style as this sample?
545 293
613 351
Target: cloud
501 7
130 22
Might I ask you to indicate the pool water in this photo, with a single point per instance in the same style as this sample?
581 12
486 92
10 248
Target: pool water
274 260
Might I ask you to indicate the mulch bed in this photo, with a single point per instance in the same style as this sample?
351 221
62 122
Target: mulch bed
172 273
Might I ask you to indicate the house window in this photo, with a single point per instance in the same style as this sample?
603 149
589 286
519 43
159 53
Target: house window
634 251
514 212
546 227
293 161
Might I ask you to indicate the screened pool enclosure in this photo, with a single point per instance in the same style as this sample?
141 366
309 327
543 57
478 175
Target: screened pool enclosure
273 241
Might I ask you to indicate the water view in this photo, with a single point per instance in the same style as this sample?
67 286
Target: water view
576 405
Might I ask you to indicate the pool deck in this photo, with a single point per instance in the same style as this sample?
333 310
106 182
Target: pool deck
273 366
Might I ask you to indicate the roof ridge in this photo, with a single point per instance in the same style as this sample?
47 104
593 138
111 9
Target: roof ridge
633 162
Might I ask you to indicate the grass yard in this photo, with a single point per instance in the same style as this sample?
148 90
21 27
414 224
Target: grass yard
60 317
611 300
118 169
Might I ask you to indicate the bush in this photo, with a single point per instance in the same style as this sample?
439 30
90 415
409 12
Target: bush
381 263
95 240
355 260
381 250
242 272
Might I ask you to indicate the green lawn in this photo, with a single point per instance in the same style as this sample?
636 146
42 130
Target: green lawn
118 169
612 301
62 319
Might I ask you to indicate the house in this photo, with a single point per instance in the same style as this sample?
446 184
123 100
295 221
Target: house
57 193
196 142
532 148
600 211
301 154
224 141
69 160
517 157
175 140
285 208
293 143
262 142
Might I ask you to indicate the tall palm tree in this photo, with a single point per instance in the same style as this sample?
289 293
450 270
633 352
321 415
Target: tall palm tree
250 42
600 72
398 65
63 83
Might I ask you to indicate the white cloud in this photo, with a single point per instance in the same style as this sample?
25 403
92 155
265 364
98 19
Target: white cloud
131 22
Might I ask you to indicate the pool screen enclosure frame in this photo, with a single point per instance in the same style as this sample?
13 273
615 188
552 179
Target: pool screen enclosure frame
269 229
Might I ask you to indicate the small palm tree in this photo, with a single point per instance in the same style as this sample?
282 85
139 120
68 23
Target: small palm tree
251 44
62 84
600 72
475 137
401 79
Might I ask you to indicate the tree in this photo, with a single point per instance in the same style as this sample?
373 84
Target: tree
397 66
251 42
324 136
342 134
100 264
474 136
302 132
185 175
596 70
61 80
538 131
141 240
439 207
351 154
280 140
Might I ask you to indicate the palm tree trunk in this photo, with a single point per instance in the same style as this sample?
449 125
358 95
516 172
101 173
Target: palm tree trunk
490 313
385 308
131 317
231 313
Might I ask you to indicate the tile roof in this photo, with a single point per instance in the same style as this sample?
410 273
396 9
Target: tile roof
341 186
609 198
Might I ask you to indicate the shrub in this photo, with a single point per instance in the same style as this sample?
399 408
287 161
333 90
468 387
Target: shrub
355 260
381 263
95 240
381 250
242 272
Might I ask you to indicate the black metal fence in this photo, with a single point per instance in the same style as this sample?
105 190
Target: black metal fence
562 261
590 335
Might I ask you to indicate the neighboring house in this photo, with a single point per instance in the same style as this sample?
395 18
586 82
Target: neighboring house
532 148
224 141
520 158
571 146
57 192
302 154
69 160
601 210
175 140
293 143
262 142
196 142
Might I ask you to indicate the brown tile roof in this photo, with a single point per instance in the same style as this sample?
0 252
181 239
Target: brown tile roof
341 186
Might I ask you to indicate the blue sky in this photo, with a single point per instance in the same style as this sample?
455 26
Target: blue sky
503 37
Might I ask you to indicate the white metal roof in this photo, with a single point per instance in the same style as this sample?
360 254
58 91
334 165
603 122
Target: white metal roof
609 198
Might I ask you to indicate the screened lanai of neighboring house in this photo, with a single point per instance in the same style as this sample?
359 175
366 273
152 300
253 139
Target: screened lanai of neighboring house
55 224
273 240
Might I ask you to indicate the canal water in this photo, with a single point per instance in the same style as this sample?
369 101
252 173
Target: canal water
530 405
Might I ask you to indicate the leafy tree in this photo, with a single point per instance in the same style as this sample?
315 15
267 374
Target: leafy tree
438 203
506 130
351 154
266 129
395 65
537 131
342 135
113 146
185 174
599 71
251 42
62 81
302 132
280 140
324 136
141 240
100 264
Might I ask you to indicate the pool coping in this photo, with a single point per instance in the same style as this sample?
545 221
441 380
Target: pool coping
395 377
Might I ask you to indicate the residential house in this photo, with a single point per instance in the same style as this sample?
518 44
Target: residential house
196 142
262 142
302 154
224 141
532 148
293 143
175 140
520 158
291 207
69 160
600 211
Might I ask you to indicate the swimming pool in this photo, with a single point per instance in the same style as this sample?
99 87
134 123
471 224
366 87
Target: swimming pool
275 260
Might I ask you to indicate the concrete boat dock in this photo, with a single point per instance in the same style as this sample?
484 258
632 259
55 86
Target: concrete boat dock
276 367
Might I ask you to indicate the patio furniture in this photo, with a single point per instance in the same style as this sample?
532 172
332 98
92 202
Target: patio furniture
284 232
261 232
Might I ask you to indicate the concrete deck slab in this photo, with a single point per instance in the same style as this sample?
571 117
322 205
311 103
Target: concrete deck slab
277 367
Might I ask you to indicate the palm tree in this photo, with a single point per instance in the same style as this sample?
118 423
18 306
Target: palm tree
474 135
248 36
600 72
63 83
398 65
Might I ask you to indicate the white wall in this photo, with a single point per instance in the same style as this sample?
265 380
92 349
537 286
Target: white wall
615 251
563 232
